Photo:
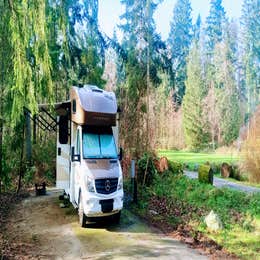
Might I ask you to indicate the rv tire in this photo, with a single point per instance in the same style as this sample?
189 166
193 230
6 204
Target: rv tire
82 216
116 217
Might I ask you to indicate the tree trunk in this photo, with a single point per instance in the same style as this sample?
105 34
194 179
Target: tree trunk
21 163
1 119
28 138
1 141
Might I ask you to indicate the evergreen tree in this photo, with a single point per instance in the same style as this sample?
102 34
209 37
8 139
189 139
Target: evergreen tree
197 29
195 127
30 73
214 25
251 46
5 57
227 90
179 42
143 47
77 45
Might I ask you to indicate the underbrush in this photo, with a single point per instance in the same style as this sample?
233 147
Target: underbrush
180 201
250 149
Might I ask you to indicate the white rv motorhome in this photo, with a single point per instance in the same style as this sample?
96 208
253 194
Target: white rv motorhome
88 157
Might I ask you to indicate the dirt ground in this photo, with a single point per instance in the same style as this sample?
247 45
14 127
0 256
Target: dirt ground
39 229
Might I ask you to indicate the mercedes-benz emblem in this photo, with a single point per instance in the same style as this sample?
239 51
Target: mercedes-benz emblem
107 185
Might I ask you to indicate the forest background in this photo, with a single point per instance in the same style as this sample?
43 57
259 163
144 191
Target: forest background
196 90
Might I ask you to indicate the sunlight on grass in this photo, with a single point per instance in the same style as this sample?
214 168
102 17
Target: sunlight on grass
189 157
241 242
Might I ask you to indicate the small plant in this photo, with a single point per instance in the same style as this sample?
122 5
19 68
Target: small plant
29 174
176 167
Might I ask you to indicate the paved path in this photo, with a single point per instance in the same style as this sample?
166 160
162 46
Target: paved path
218 182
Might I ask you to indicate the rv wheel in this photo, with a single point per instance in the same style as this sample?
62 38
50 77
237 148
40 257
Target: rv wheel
116 217
82 216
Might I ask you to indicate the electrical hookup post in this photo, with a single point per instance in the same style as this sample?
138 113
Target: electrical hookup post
133 181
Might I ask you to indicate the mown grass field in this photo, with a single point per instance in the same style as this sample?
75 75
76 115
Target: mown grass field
191 159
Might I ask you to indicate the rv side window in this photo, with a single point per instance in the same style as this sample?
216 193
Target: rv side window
74 107
63 130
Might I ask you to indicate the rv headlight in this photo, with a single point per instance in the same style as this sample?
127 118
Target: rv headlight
120 184
90 184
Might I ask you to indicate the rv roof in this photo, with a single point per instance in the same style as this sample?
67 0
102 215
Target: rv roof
94 99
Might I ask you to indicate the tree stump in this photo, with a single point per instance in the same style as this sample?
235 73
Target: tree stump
226 170
161 165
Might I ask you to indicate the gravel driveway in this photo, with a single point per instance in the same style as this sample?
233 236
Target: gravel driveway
40 229
218 182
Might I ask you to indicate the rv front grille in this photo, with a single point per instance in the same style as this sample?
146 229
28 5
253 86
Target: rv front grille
106 186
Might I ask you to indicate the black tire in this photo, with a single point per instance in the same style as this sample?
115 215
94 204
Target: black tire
82 216
116 217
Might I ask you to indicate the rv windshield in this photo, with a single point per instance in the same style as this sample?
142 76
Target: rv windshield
98 145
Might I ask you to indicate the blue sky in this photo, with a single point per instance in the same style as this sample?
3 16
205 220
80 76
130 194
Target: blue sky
110 10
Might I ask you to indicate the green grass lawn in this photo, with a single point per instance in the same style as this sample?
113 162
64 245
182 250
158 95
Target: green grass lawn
190 158
182 201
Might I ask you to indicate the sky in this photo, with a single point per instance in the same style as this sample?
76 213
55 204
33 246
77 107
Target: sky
110 11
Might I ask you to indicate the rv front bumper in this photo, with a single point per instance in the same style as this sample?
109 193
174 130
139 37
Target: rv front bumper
98 205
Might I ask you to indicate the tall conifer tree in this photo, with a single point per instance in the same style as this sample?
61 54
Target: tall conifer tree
251 47
179 42
215 25
225 58
142 45
195 125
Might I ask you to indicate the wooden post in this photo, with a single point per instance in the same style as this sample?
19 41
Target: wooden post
133 181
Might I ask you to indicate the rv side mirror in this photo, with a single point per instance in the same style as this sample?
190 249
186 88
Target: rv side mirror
74 157
120 156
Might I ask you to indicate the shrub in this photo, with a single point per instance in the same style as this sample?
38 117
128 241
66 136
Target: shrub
205 174
237 174
215 167
146 169
251 148
176 167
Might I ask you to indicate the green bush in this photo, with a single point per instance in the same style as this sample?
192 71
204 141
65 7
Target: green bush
205 174
237 174
146 169
176 167
215 167
29 174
